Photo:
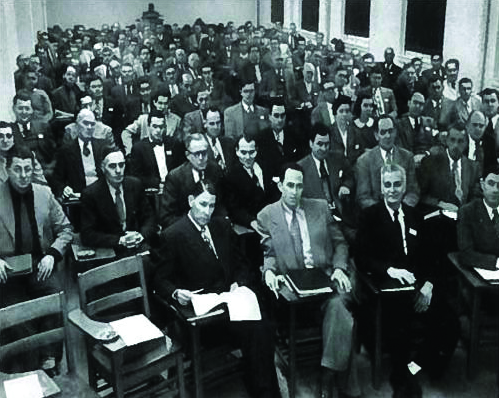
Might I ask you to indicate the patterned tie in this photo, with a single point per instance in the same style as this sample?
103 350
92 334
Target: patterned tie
495 220
206 238
294 230
120 208
389 156
86 149
457 181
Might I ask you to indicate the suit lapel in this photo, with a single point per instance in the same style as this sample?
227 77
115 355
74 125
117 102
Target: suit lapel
280 224
7 215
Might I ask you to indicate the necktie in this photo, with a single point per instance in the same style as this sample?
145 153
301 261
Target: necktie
389 157
217 155
397 224
206 238
416 125
86 149
255 179
457 182
378 99
120 208
495 220
201 175
294 230
25 129
326 186
26 233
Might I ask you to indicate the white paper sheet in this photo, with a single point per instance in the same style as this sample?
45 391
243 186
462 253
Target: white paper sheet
23 387
136 329
489 275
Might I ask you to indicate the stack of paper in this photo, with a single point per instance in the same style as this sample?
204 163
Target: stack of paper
488 275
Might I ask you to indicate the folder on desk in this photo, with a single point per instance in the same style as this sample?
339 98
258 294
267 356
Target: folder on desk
309 281
21 265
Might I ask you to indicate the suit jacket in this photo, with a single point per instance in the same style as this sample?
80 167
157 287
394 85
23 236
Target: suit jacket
389 101
61 99
274 84
477 238
143 164
435 112
228 148
38 139
54 229
101 132
187 262
459 111
412 140
100 224
368 176
179 185
234 122
69 166
390 74
181 106
194 120
300 94
436 180
380 245
243 197
320 114
328 246
208 47
353 149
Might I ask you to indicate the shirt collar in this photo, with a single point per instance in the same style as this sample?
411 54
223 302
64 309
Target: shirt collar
391 211
489 209
451 161
112 190
359 124
198 227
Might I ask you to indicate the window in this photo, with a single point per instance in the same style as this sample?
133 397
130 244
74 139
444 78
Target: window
425 21
357 13
310 15
277 11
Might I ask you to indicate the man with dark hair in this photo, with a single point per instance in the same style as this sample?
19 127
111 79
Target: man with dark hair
451 75
391 71
220 148
490 107
194 121
198 252
383 97
300 233
184 101
323 112
40 101
434 102
66 97
465 103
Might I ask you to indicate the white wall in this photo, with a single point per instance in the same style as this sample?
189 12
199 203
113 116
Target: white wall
93 13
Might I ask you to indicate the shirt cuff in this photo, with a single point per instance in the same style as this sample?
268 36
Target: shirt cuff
54 253
497 263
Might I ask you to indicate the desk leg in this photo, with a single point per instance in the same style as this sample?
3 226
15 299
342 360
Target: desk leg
474 342
292 351
196 361
376 369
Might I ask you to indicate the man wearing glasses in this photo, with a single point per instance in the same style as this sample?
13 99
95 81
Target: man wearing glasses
181 181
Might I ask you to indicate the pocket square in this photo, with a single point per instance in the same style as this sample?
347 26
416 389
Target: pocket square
413 232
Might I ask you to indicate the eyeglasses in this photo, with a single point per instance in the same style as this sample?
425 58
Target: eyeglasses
199 154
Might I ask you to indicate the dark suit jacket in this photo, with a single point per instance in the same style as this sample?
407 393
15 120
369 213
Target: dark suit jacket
243 198
181 106
353 149
60 98
143 163
100 225
477 238
412 140
69 166
179 185
390 74
300 94
228 148
234 120
39 139
436 180
187 262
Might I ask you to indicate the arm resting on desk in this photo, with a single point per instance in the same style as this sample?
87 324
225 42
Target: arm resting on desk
100 331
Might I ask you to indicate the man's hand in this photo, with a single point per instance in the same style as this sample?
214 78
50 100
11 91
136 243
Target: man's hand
45 267
343 191
183 296
418 159
342 279
422 300
272 281
131 239
448 206
67 192
402 275
3 270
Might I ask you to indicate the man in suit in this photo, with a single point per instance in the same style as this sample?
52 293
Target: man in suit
384 99
194 121
183 102
329 177
323 112
220 148
436 68
181 181
152 158
278 81
368 165
418 324
451 75
434 103
479 146
115 210
298 233
391 71
306 90
448 179
465 103
102 106
198 252
31 222
252 71
77 162
66 97
490 107
245 118
215 87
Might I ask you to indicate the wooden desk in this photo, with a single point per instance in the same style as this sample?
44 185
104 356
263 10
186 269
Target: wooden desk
49 387
293 302
478 287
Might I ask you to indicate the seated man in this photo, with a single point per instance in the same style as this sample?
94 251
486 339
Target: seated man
418 325
198 252
181 181
301 233
153 157
32 222
115 211
478 225
220 148
368 164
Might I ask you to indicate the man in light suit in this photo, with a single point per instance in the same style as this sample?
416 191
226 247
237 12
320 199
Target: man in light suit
31 222
369 164
323 112
384 99
320 244
478 225
245 118
194 121
465 103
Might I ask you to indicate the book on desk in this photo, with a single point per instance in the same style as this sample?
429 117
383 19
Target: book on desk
21 265
309 281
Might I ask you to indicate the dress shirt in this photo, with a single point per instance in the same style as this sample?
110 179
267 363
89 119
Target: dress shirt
258 73
436 103
206 233
494 120
305 237
217 148
413 122
489 212
449 92
256 171
248 108
318 165
195 175
330 110
401 221
279 136
384 154
318 74
112 191
88 163
308 87
343 135
24 128
451 162
159 154
472 147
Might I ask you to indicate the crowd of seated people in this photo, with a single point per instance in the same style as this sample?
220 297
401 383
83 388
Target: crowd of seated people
263 117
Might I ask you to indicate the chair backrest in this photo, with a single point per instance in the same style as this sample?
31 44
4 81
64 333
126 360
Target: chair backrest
114 285
32 339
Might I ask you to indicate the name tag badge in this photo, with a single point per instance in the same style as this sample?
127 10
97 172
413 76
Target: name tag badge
340 174
357 146
413 232
387 99
40 136
110 109
168 152
262 117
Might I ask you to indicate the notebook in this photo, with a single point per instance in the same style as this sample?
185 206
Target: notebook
21 265
309 281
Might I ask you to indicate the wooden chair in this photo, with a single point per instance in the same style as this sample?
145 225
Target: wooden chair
132 370
65 385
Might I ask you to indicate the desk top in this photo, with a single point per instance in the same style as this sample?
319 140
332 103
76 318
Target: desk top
290 296
101 253
49 387
470 275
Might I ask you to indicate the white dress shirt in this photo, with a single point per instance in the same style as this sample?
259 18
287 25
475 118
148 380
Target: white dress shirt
257 171
401 221
159 154
88 163
305 237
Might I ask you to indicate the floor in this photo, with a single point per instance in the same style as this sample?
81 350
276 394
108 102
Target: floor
453 385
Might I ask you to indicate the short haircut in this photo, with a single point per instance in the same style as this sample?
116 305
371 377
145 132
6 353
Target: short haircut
491 169
5 125
287 166
318 129
415 59
143 80
21 95
452 61
127 64
92 78
276 102
204 186
154 113
160 92
490 91
465 80
107 150
192 137
341 100
144 48
392 168
377 69
18 151
248 139
435 78
385 116
245 82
